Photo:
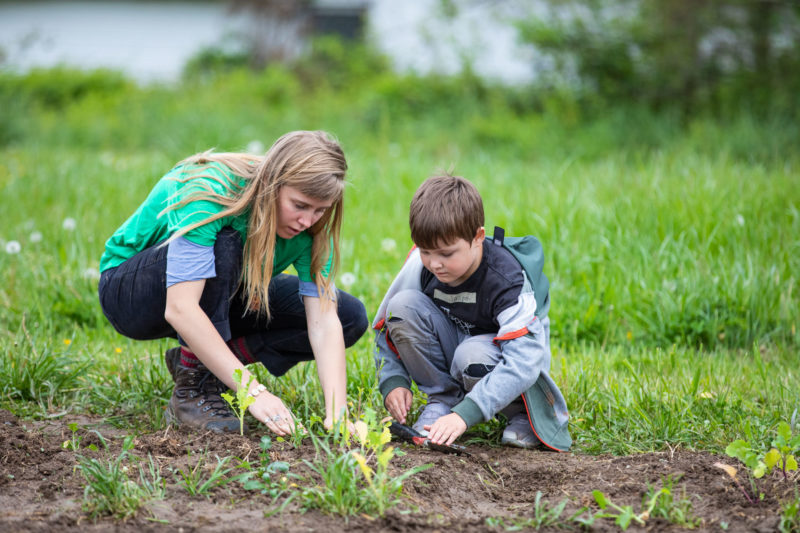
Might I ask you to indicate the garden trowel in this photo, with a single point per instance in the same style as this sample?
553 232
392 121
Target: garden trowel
408 434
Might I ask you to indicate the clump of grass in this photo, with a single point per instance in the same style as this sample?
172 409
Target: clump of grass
110 489
203 477
37 373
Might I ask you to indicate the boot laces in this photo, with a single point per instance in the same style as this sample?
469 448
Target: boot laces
210 388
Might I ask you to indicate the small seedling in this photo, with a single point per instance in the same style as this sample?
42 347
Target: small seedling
665 505
198 482
759 464
74 442
271 478
243 398
622 517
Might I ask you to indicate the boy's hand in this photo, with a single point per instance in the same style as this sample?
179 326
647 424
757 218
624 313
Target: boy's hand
446 429
398 402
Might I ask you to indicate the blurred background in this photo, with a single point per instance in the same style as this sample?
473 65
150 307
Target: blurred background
701 52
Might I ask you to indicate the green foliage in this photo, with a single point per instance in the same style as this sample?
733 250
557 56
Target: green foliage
780 456
243 398
199 480
268 477
30 370
56 88
110 491
656 503
717 55
356 480
665 503
790 515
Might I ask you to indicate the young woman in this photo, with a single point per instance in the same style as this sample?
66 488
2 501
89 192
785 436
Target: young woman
202 260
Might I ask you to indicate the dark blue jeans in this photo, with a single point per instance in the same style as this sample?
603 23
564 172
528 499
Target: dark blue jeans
134 296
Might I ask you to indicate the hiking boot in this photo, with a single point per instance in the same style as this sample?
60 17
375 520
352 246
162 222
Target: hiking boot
432 412
518 432
173 358
196 401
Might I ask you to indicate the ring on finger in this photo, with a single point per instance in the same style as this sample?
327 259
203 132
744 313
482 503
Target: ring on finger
276 418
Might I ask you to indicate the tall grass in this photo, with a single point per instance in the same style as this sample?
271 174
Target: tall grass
672 247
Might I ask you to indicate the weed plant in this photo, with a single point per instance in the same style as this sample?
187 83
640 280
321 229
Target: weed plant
355 480
268 477
203 477
110 489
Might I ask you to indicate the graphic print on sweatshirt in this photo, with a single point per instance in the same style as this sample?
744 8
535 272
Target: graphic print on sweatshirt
474 305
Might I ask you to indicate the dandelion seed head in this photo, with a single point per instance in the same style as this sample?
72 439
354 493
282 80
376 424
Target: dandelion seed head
347 279
255 147
388 245
36 236
69 224
739 220
91 273
13 247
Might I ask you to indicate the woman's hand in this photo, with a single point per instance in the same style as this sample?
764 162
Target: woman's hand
270 410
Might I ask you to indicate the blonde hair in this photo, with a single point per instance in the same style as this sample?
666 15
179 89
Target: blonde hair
445 208
311 162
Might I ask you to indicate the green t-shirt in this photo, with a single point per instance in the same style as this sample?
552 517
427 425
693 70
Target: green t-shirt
149 226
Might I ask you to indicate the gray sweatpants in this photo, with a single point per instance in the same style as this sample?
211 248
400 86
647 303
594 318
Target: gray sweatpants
445 362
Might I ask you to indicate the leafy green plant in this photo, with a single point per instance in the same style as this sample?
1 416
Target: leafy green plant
355 480
111 492
269 477
243 398
74 442
668 505
623 515
760 463
200 479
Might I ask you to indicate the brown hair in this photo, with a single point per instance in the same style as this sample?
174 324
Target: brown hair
444 209
310 161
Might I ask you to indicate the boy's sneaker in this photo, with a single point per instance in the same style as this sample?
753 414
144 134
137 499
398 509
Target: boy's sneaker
173 358
196 401
518 432
432 412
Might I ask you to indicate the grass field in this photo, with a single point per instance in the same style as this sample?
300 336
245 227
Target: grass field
672 247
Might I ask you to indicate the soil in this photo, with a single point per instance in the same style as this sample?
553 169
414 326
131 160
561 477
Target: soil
41 488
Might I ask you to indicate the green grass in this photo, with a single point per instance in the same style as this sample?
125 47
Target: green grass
672 248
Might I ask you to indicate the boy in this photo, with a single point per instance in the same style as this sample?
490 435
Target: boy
461 320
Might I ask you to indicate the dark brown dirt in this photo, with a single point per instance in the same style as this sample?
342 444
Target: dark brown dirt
42 490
